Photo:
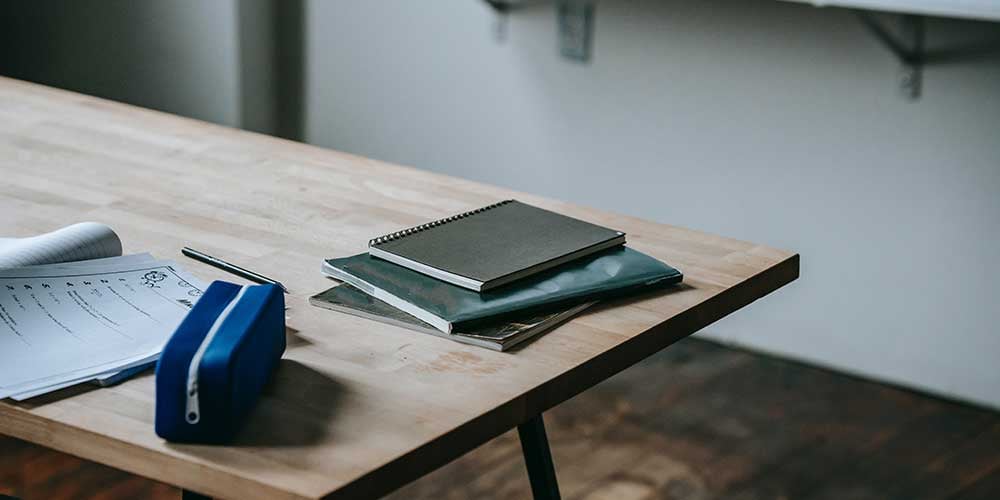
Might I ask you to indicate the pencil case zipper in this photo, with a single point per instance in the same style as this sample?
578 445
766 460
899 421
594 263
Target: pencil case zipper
192 414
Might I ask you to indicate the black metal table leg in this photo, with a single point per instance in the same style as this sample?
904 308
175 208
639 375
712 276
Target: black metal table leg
538 459
190 495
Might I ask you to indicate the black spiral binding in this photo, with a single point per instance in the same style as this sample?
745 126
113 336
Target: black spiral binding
416 229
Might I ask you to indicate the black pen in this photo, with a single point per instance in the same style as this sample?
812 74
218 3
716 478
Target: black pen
230 268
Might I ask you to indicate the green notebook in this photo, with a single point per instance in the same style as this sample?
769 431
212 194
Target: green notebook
446 307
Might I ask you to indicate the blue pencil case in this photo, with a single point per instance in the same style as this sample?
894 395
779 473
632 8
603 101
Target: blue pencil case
212 370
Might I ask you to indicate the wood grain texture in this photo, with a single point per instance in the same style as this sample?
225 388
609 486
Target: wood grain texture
357 408
730 425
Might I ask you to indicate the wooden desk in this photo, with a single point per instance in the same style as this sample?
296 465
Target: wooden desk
357 408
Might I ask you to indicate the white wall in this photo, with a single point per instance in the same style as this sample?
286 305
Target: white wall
767 121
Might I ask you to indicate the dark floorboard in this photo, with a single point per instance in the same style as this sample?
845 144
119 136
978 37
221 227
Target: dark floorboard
695 422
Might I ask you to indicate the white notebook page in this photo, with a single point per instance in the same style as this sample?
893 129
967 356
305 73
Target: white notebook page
68 323
83 241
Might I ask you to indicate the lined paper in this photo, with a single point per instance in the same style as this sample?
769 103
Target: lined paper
83 241
65 323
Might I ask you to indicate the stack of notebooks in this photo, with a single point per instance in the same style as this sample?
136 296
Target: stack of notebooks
492 277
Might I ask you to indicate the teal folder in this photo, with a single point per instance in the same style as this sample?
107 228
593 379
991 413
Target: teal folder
446 306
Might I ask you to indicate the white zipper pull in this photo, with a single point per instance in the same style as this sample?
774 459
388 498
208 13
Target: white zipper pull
191 409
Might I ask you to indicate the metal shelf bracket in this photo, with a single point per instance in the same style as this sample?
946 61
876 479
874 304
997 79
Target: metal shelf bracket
574 21
499 6
576 29
908 48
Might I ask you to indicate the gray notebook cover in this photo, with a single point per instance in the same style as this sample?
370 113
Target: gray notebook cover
446 306
496 336
494 245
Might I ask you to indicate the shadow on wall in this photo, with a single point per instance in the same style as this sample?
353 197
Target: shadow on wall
235 62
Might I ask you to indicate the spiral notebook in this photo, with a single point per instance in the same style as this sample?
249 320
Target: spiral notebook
493 245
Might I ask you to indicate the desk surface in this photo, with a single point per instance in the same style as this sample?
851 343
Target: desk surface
357 408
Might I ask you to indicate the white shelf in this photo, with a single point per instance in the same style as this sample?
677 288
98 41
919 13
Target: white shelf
988 10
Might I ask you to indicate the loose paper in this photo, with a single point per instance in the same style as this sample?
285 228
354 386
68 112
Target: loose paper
65 323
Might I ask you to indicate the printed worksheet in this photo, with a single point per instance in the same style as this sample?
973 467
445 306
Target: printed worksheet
70 322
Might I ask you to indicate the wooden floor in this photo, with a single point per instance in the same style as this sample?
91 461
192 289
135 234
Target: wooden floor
698 421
